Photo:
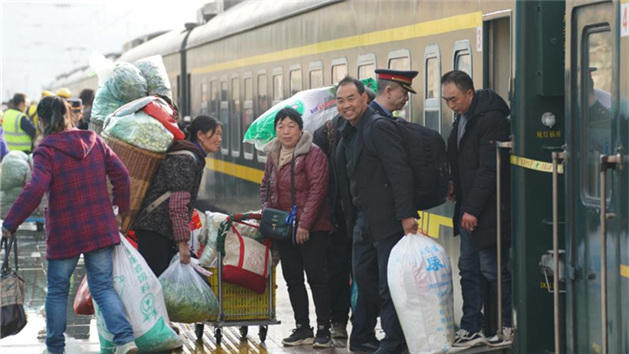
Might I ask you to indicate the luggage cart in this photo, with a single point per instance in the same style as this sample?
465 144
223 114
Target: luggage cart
239 306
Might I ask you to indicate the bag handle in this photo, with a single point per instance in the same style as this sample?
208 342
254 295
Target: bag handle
7 244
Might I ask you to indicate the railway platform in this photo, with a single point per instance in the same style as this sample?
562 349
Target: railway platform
82 336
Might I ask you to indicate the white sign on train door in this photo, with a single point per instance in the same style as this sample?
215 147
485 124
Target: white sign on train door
624 20
479 39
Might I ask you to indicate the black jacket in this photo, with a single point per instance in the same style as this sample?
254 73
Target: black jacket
473 168
384 181
378 109
328 141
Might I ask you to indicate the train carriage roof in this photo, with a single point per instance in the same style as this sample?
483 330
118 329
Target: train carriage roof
248 15
167 43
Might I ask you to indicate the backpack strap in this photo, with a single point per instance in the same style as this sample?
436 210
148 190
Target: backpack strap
183 152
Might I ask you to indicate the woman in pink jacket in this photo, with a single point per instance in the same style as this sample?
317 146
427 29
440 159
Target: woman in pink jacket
71 167
313 218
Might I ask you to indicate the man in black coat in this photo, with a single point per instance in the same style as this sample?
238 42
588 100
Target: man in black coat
480 122
393 89
376 186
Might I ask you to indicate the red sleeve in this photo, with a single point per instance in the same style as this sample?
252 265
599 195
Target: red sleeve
317 173
178 209
119 177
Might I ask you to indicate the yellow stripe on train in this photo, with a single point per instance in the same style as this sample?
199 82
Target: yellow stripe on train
624 270
428 222
422 29
534 164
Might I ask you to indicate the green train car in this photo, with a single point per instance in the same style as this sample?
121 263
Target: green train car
562 66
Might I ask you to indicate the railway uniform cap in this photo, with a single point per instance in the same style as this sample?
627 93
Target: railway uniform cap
404 78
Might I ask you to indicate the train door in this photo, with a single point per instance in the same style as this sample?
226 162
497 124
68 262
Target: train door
593 188
497 53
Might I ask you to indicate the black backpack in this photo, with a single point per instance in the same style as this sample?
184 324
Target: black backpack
426 151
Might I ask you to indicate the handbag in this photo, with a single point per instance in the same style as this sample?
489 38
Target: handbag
83 304
279 224
13 291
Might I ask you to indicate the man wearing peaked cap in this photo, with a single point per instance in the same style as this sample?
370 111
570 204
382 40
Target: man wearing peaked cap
393 89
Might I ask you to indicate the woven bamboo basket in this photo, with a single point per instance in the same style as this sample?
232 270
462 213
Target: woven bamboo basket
95 126
142 165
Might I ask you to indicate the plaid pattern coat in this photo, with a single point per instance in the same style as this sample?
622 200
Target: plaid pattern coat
71 167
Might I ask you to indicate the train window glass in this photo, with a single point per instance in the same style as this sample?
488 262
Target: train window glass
315 74
214 99
262 105
338 70
462 58
224 117
278 89
597 84
247 116
432 88
204 99
295 80
366 66
401 60
235 117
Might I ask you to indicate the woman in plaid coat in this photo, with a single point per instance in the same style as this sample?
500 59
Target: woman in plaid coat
71 167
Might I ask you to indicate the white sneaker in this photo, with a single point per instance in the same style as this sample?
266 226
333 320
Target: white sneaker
463 338
129 348
505 338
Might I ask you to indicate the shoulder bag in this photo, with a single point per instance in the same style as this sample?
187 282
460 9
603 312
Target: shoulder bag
279 224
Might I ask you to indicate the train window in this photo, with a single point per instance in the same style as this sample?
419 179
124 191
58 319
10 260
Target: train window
401 60
205 103
295 79
278 89
235 117
432 88
262 104
597 84
338 70
247 116
315 70
214 99
366 66
462 58
224 117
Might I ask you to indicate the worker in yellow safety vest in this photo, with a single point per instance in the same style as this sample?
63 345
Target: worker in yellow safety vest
19 132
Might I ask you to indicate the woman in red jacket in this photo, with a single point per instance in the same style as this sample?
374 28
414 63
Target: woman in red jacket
313 218
71 167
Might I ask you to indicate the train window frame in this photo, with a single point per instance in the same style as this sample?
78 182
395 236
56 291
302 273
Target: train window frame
215 101
291 70
462 47
204 97
261 155
337 63
365 60
235 112
247 104
432 104
403 54
224 106
588 175
278 71
312 67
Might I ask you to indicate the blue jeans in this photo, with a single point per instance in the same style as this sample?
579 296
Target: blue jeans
472 267
99 266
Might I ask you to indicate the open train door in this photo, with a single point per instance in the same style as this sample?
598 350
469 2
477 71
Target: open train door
595 166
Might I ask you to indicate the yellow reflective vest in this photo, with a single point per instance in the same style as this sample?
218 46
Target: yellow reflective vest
16 138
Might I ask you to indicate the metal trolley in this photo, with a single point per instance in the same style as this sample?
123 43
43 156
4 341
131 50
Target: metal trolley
239 306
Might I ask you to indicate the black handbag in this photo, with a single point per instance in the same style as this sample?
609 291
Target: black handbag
279 224
12 293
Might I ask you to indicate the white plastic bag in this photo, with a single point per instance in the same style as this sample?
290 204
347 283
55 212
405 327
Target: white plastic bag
188 298
420 282
154 71
141 295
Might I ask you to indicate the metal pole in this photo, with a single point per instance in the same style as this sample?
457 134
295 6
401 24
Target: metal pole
556 157
604 253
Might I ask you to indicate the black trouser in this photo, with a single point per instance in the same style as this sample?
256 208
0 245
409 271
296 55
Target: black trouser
339 267
310 257
372 282
157 250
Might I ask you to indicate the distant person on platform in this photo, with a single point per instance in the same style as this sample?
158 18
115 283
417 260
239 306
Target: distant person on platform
87 96
19 131
393 89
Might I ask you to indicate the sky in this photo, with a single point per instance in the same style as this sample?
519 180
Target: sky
43 39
